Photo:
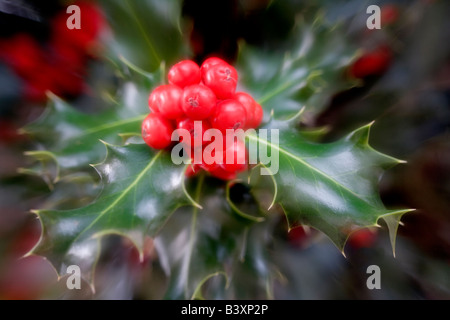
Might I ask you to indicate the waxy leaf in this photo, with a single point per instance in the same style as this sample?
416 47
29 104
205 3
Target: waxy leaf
213 252
306 73
71 137
332 187
141 190
146 32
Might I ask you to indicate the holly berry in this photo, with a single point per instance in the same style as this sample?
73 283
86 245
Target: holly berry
222 80
192 170
198 102
189 125
222 174
210 62
373 63
389 14
92 24
157 131
23 54
229 114
185 73
166 99
206 95
239 161
364 238
253 109
211 161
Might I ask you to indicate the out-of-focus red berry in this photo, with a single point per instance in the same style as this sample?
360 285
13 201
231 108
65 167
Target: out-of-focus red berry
373 63
364 238
389 14
23 54
84 39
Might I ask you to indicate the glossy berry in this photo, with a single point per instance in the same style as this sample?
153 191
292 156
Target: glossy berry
222 80
198 102
185 73
229 114
189 125
258 115
210 62
152 99
239 160
253 109
157 131
166 100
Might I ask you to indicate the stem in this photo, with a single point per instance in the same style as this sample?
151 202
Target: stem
197 196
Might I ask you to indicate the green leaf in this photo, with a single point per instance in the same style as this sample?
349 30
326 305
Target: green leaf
71 137
133 203
311 71
332 187
213 250
146 32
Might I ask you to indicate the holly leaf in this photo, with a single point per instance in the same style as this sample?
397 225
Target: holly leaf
214 252
70 138
331 187
134 203
312 70
146 32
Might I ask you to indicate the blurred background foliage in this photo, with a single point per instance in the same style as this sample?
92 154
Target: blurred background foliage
404 85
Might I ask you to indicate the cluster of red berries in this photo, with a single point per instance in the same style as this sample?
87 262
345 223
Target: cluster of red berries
207 94
59 65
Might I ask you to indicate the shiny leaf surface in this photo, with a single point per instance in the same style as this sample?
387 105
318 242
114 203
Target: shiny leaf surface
133 203
309 72
332 187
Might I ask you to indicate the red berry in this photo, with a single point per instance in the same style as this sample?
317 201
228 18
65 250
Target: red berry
258 115
253 109
239 160
389 14
212 159
372 63
198 102
152 99
298 235
222 80
157 131
208 63
185 73
192 170
189 125
364 238
166 99
222 174
92 23
229 114
23 54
